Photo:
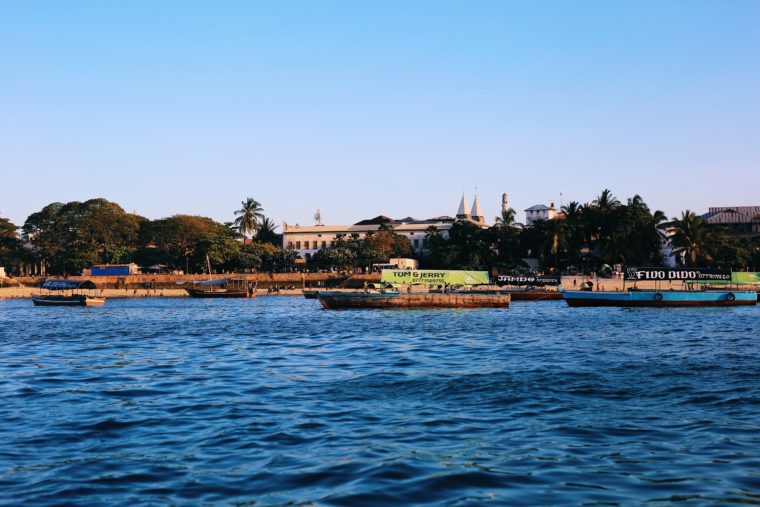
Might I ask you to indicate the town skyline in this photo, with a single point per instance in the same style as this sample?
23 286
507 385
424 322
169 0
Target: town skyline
491 209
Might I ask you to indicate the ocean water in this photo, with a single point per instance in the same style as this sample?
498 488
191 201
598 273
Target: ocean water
275 401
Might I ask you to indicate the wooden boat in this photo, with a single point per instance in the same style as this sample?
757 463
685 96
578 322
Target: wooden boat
535 295
221 288
310 294
664 298
516 294
67 293
339 300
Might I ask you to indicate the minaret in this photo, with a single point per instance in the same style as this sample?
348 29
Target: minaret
477 213
463 214
504 203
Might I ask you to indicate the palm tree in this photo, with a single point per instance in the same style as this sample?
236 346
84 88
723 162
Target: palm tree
266 231
555 239
606 202
690 237
506 219
250 217
572 211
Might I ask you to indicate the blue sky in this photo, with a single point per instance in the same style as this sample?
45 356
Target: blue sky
362 108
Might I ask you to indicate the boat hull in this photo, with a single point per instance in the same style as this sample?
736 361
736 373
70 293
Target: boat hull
217 294
310 294
412 300
659 299
536 295
68 301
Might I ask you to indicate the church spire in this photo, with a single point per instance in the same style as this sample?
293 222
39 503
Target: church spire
463 213
477 213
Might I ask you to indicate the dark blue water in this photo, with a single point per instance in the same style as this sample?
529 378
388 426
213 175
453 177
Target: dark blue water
275 401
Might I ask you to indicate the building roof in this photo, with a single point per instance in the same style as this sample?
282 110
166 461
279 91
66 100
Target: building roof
538 207
462 207
476 211
380 219
732 215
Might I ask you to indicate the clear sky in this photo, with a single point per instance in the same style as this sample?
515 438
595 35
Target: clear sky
361 108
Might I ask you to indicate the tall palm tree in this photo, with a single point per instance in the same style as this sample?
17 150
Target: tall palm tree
250 216
506 219
690 237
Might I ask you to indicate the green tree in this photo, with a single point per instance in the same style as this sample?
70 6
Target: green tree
691 238
73 236
173 240
249 217
266 232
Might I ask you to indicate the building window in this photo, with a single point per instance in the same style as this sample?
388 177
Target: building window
416 243
324 244
314 244
290 244
298 245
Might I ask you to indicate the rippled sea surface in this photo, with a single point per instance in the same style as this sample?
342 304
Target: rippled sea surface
275 401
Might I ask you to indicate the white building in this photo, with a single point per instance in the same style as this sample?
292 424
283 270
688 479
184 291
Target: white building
539 212
307 240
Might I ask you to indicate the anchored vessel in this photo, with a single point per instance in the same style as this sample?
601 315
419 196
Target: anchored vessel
67 293
334 300
391 298
221 288
666 298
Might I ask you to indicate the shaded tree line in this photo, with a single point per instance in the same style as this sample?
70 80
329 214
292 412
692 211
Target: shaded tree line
69 237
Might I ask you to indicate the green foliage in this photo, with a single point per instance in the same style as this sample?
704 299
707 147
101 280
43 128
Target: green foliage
350 252
174 240
250 216
10 245
467 247
70 237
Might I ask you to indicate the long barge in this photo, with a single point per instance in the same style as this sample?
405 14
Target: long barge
340 300
660 299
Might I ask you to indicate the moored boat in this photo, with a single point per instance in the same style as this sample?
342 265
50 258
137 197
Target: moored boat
67 293
310 294
664 298
221 288
336 300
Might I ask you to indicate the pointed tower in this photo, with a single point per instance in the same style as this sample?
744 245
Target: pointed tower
477 213
463 214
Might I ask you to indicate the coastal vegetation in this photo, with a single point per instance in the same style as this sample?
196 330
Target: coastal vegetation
66 238
591 237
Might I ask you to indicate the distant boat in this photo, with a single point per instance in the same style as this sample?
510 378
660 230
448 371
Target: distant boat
67 293
664 298
310 294
221 288
340 300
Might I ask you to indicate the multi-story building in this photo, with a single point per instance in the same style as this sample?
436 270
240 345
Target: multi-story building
539 212
307 240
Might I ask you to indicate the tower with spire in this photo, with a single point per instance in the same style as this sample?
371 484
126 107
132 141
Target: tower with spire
463 213
477 213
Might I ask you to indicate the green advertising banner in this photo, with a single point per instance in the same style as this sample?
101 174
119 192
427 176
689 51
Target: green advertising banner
434 277
746 277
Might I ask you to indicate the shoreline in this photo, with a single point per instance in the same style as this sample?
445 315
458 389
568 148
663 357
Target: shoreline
568 283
